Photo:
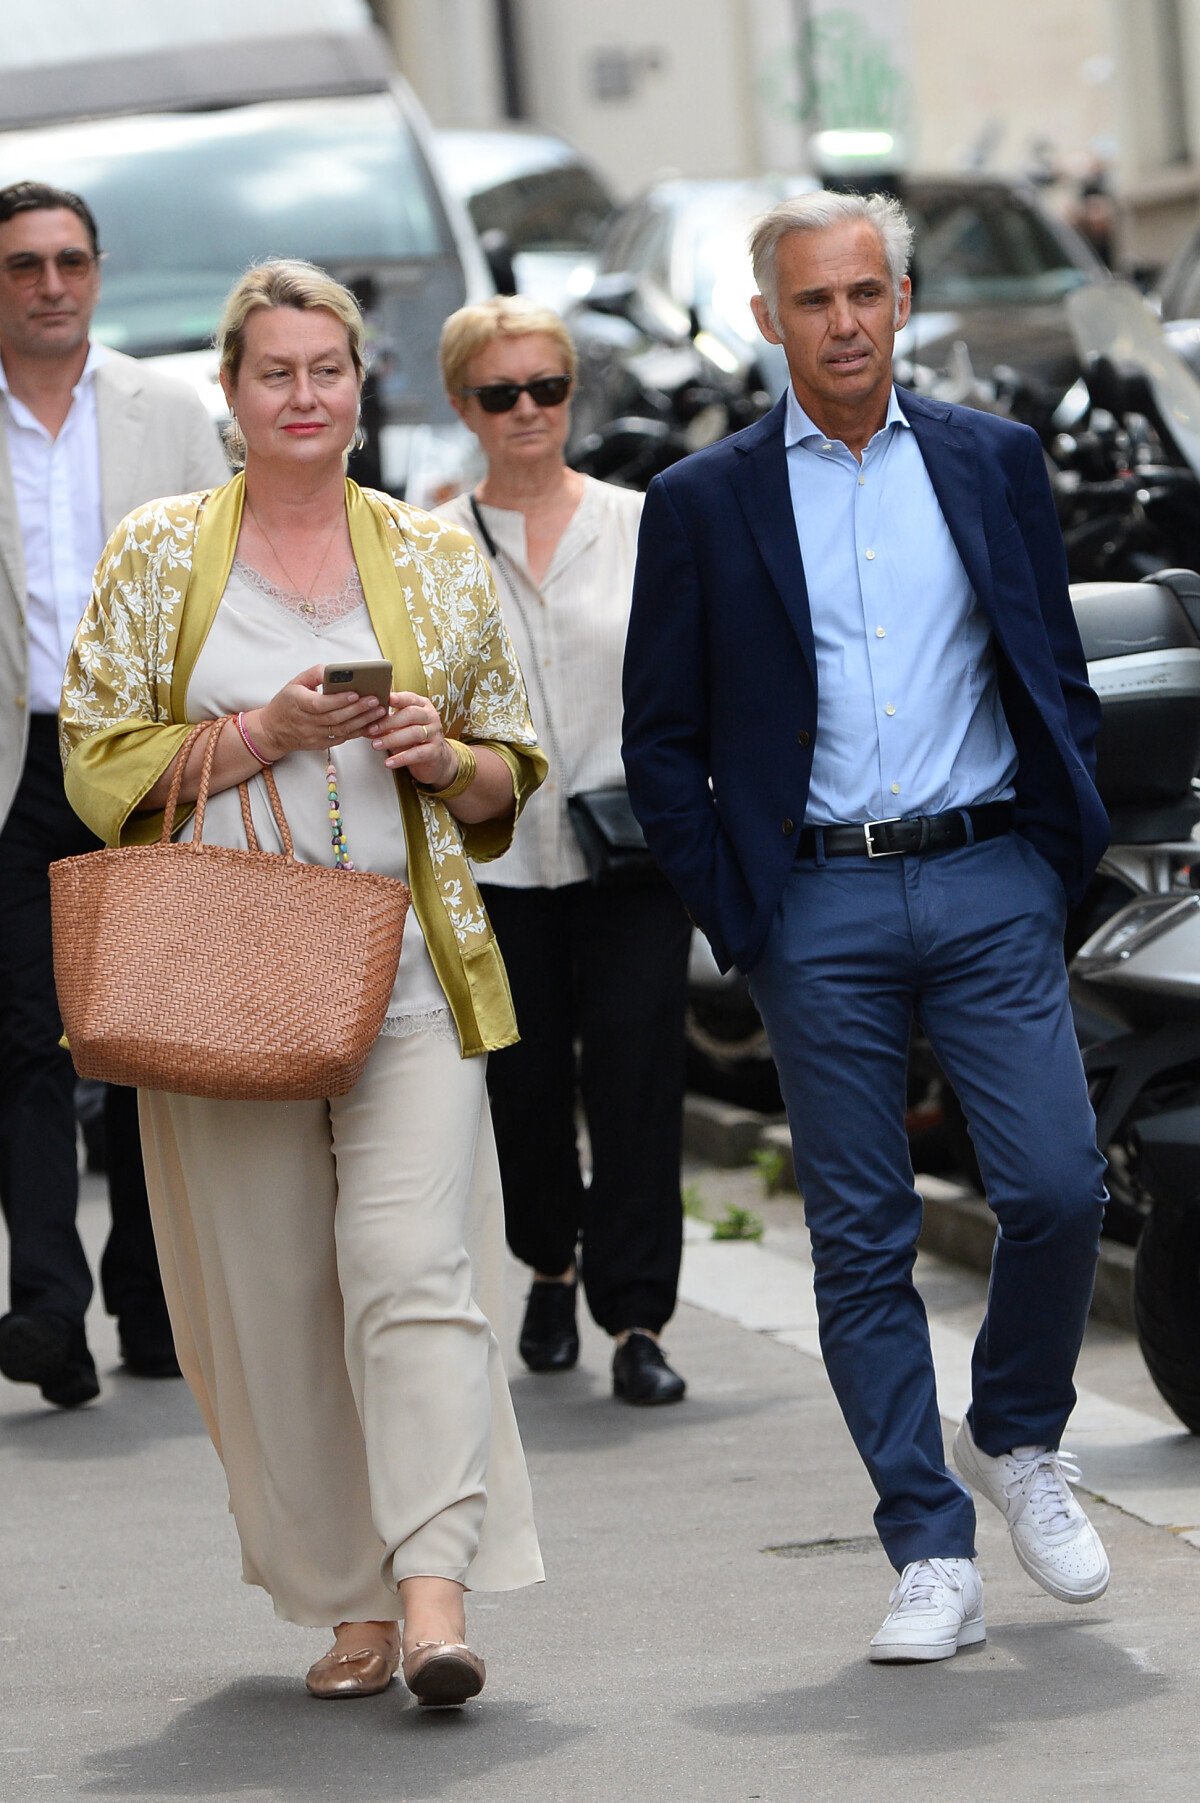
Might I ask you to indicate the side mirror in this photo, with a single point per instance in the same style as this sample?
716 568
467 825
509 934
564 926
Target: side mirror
497 248
612 294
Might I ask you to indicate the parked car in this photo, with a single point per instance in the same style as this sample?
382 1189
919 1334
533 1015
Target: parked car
185 199
534 201
991 267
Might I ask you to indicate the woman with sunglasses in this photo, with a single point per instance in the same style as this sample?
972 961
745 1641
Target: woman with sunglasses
598 974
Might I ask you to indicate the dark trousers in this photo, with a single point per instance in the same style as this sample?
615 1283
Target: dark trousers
970 942
599 979
39 1183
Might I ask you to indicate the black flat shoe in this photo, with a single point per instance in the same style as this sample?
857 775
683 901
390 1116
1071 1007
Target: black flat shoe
51 1353
549 1337
641 1373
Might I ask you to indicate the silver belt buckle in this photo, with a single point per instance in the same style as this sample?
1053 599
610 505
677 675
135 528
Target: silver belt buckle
867 830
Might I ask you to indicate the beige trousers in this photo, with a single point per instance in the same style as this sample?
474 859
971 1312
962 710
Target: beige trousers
330 1268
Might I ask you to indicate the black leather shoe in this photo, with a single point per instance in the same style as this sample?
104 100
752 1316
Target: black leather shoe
641 1373
147 1351
51 1353
549 1337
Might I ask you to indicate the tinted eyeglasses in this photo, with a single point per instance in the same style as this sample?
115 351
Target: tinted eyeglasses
502 397
25 268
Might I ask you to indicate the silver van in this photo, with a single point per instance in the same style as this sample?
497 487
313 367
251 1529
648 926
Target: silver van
329 163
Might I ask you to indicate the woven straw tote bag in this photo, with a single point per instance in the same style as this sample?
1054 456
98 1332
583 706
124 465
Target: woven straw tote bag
211 971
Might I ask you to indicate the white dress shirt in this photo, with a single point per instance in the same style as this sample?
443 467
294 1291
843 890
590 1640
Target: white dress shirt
56 483
568 632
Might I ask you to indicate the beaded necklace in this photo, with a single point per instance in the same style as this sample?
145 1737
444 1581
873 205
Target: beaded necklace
337 830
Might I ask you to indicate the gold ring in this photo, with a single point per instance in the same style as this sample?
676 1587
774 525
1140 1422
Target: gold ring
425 730
331 734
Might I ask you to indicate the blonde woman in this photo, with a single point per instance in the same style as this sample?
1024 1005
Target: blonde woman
601 970
330 1266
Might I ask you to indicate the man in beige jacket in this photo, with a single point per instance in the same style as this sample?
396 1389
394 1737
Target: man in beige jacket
85 436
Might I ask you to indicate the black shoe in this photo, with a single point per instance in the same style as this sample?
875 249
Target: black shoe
549 1337
51 1353
641 1373
147 1351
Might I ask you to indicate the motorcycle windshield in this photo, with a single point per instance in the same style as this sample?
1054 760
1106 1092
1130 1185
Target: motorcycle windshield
1110 319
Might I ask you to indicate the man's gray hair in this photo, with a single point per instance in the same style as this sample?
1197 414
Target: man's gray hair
815 213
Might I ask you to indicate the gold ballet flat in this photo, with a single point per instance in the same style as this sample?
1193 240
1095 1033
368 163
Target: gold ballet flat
443 1673
361 1674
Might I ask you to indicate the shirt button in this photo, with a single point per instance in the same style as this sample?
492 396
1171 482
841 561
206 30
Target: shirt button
881 632
827 446
789 825
862 481
889 709
895 788
20 700
803 738
870 556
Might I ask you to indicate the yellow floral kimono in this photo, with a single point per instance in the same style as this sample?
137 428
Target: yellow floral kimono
157 588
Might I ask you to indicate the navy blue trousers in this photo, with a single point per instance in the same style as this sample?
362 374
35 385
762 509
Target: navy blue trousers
968 942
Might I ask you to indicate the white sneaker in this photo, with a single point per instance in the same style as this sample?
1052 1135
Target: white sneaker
1051 1535
936 1607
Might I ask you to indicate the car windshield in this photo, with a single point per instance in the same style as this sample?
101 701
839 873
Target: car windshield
976 249
186 201
544 210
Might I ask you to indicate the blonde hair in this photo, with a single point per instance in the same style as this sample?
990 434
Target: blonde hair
282 282
472 329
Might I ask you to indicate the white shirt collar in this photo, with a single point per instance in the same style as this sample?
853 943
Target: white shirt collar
797 426
97 354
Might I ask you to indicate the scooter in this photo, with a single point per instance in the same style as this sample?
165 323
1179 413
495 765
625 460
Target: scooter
1135 979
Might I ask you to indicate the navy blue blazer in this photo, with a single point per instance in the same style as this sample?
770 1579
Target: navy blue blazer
721 703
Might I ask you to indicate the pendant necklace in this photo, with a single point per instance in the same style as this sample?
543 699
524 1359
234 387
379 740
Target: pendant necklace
306 602
337 829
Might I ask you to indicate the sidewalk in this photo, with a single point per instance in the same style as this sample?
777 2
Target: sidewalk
671 1654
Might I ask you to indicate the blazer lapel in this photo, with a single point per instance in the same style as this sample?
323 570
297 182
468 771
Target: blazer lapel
12 551
760 481
121 417
953 470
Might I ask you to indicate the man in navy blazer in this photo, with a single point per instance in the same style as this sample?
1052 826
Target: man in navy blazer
860 739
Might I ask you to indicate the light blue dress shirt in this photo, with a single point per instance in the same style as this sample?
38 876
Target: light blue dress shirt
909 718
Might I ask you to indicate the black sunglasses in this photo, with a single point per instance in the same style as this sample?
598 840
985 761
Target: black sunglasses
502 397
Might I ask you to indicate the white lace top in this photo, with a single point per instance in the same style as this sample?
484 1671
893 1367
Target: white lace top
263 636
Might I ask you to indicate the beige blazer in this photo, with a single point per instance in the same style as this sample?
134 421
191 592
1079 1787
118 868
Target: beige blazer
155 439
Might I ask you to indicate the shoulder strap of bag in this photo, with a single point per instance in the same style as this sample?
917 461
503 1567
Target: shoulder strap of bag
500 561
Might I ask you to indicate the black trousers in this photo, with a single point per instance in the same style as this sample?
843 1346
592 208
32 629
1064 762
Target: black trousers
599 979
39 1182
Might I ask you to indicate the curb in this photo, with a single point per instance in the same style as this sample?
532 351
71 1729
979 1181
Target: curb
958 1224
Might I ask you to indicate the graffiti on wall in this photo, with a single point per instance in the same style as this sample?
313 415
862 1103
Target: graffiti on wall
841 74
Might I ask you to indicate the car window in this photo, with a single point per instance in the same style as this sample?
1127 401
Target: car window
547 209
186 201
987 247
644 248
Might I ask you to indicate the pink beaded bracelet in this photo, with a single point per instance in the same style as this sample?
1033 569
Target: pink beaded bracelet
251 747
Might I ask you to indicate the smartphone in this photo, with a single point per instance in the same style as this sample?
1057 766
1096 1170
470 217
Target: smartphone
371 677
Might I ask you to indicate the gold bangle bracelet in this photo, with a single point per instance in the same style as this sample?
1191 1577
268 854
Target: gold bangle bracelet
467 767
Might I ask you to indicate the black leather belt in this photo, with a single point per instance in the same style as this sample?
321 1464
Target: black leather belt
908 838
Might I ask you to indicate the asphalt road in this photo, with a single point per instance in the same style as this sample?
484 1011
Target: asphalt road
713 1582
